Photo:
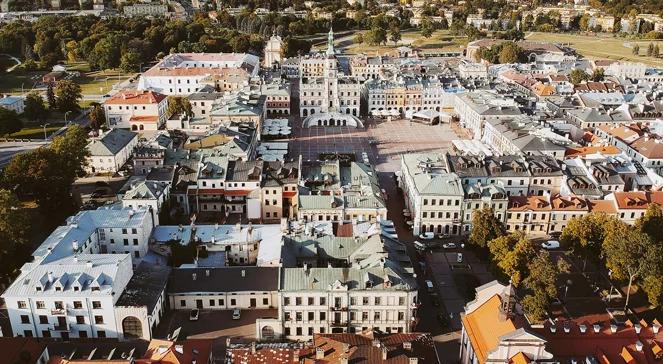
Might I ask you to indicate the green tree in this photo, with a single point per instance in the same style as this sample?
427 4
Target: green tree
577 76
14 226
358 38
35 109
656 51
395 35
50 97
71 148
510 53
653 287
427 27
9 122
97 116
636 50
583 24
179 105
130 61
585 234
485 227
650 49
510 253
536 306
629 254
598 74
67 93
376 36
651 223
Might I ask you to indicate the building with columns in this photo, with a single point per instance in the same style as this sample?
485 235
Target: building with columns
273 51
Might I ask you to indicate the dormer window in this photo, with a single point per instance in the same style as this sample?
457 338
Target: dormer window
58 289
95 289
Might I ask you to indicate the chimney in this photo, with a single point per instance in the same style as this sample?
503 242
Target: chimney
597 328
407 345
583 329
74 245
613 328
253 348
567 328
179 349
384 353
50 277
193 276
207 272
89 264
655 328
243 273
637 328
553 329
638 345
346 347
319 353
344 360
413 360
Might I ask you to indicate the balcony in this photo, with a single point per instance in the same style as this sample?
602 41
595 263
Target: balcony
58 312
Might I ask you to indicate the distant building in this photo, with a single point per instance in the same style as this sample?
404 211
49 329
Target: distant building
137 110
12 103
111 151
273 50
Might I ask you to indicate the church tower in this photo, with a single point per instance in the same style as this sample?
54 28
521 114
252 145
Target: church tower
273 51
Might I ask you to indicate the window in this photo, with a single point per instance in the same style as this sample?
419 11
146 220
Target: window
82 334
299 331
25 319
78 305
221 302
323 301
298 301
265 301
286 301
40 304
311 316
212 303
80 319
401 301
364 300
298 316
376 316
99 320
96 305
22 304
323 316
124 231
43 319
58 305
287 331
27 333
377 301
233 302
126 241
101 334
182 303
135 241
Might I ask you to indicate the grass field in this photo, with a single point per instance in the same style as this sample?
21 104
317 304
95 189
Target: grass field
35 132
601 47
92 82
440 40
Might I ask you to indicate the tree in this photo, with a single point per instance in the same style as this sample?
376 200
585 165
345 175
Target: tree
130 61
72 150
577 76
656 51
376 36
536 306
67 93
629 254
598 74
485 227
541 283
510 253
9 122
427 27
510 53
35 109
178 105
636 50
653 286
50 97
583 23
585 234
14 224
650 49
358 38
395 35
97 116
651 223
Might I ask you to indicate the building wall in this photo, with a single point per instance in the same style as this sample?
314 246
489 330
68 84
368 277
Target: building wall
223 300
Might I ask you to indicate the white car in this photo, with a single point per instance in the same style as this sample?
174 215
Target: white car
449 246
550 244
236 314
427 236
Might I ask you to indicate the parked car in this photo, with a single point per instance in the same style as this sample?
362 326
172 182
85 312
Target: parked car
193 316
550 244
449 246
236 314
419 246
427 236
429 286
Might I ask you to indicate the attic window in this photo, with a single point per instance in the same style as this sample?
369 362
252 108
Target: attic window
76 289
58 289
95 289
38 289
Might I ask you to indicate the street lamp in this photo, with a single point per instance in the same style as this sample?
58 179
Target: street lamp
44 126
65 117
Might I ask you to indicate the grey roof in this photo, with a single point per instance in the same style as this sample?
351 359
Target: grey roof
161 174
243 171
226 279
324 279
145 287
146 190
316 202
111 143
430 175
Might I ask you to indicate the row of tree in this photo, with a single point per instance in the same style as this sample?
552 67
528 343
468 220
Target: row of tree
630 254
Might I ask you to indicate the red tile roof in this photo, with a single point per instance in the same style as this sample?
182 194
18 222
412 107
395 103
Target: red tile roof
135 97
13 349
184 352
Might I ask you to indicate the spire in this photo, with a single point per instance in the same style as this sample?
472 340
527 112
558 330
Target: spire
330 42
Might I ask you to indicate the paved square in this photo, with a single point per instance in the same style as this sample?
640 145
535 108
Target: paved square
392 138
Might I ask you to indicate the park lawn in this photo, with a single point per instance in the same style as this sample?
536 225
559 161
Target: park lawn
100 82
34 132
440 40
601 47
10 83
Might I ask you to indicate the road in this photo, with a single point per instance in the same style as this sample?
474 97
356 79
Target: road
10 149
18 62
